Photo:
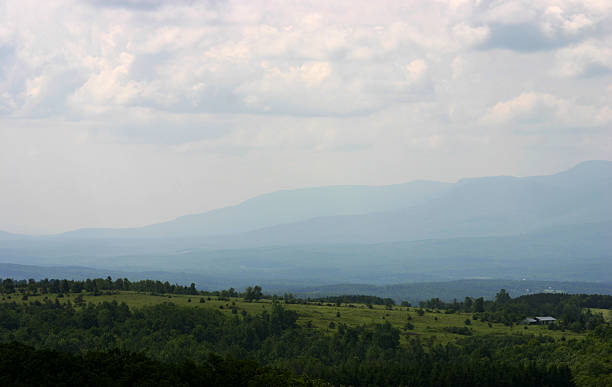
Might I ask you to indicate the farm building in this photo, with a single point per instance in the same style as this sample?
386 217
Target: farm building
546 320
539 320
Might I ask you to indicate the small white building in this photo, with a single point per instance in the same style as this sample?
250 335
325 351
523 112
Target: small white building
539 320
545 320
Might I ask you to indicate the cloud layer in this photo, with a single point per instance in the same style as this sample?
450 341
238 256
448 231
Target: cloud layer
129 112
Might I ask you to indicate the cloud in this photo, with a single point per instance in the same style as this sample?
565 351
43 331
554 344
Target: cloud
415 70
259 59
470 36
222 57
521 37
590 58
526 26
536 110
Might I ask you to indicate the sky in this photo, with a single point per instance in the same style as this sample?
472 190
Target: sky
125 113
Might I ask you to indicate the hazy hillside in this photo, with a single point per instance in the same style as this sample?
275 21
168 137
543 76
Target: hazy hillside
450 290
420 210
413 292
568 253
7 236
283 207
472 207
562 253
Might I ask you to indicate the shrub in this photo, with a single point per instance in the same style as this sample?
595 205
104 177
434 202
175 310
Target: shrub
465 331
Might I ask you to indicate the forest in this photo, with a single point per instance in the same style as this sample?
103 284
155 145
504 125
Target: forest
60 338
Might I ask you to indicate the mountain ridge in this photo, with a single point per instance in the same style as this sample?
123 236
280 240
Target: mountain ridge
283 207
343 206
483 206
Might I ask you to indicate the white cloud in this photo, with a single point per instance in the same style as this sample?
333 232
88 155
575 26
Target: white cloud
556 20
534 109
470 36
313 73
415 70
593 56
527 107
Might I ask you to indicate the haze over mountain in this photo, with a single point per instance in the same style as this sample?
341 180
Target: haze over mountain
501 205
283 207
556 227
472 207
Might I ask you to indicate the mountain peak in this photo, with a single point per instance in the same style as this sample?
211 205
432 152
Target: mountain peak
590 169
593 164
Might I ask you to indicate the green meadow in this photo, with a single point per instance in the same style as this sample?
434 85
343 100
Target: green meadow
326 317
607 313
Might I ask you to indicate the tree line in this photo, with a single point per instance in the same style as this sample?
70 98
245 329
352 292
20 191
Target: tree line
98 285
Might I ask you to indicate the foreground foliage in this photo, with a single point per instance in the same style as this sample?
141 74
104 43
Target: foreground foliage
22 365
361 355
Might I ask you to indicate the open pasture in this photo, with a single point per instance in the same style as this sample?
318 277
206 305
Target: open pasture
326 317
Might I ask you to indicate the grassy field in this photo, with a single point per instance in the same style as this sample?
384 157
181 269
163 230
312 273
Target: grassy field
429 326
607 313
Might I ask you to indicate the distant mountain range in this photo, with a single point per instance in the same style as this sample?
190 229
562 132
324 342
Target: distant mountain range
282 207
556 227
491 206
420 210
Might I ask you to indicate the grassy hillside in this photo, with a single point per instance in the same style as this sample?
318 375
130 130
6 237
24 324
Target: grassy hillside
326 317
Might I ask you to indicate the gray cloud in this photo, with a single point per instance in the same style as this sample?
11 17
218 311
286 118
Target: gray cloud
523 37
